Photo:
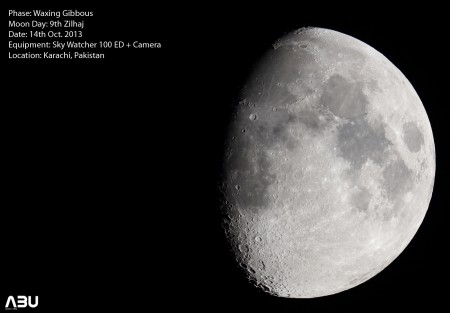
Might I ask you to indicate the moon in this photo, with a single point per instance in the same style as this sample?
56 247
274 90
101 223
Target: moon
329 166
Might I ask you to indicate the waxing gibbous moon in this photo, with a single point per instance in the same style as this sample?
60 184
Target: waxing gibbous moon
329 166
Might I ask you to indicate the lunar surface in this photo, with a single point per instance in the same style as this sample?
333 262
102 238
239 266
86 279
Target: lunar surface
329 166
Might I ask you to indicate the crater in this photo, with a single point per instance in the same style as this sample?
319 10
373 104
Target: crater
412 136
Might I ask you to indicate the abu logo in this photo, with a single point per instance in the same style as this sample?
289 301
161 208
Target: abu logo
22 302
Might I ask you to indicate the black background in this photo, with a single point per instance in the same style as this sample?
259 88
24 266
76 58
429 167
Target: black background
110 193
